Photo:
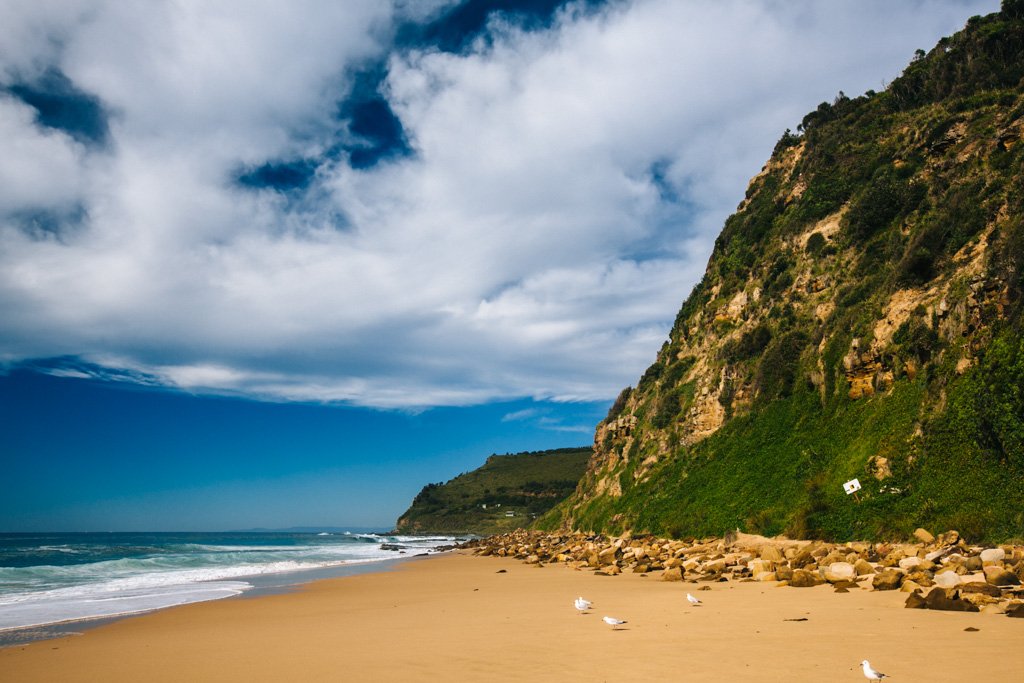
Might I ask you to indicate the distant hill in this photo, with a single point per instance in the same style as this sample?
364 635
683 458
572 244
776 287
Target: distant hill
861 317
308 530
506 492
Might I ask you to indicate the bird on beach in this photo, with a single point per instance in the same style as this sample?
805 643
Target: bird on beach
692 600
582 605
613 622
870 673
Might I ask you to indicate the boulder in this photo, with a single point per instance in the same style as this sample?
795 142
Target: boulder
992 555
863 567
887 580
923 579
608 556
672 574
915 601
997 576
758 566
831 558
839 571
715 566
802 559
979 599
947 579
910 586
939 599
771 554
766 576
924 536
784 573
1015 610
908 563
805 579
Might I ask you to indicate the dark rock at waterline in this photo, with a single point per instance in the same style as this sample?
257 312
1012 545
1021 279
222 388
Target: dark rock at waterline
915 601
939 599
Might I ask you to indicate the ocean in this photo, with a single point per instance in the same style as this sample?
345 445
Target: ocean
53 578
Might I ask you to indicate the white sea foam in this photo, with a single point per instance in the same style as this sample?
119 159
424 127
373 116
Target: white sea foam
96 602
179 574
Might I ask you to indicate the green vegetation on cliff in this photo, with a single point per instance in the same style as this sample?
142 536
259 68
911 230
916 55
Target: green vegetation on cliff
507 492
861 316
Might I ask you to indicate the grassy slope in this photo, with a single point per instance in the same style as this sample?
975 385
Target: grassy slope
782 469
527 483
920 175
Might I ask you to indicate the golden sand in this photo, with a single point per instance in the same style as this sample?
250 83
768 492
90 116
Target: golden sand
458 618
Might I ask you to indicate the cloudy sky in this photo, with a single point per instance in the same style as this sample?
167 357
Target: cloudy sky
417 206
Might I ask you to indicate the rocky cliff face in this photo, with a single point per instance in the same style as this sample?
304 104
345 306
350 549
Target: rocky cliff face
860 317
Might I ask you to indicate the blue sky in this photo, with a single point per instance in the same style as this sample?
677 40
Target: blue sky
97 456
275 264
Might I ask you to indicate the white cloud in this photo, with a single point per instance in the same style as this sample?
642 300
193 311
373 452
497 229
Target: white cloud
531 246
38 169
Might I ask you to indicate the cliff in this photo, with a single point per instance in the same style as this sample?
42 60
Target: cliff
860 317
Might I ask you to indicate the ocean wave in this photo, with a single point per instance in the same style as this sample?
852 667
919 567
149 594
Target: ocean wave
52 609
131 577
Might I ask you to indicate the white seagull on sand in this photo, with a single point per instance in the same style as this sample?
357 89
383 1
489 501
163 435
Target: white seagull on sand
870 673
613 622
693 600
582 605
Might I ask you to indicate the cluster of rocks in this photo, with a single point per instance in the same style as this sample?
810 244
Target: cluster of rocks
941 572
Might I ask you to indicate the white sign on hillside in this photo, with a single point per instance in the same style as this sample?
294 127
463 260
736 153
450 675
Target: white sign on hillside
851 486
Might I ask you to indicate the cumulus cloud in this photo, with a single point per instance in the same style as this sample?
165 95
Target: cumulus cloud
563 190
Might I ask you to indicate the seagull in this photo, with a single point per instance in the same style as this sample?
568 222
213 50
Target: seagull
582 605
613 622
871 674
693 600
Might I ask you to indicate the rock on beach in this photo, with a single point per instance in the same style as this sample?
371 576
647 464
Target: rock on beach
940 572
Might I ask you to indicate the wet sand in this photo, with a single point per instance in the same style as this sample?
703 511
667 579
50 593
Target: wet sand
459 618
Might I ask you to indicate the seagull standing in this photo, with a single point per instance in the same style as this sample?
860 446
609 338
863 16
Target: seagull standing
693 600
870 673
582 605
613 622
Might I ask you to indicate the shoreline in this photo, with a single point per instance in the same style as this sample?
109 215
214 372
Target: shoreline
261 585
461 617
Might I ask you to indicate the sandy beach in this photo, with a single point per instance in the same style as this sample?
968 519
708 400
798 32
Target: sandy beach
461 618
